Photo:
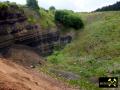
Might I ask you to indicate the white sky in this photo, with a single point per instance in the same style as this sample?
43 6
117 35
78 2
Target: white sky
76 5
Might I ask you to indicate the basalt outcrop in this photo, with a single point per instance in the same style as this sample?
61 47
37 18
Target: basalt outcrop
15 29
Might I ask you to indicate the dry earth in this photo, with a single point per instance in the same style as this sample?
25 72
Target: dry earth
16 77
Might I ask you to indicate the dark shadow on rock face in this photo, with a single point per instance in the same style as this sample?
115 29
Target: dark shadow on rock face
15 29
66 39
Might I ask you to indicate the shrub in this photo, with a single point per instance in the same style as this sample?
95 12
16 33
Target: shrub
69 19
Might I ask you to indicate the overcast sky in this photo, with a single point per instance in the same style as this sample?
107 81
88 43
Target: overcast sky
76 5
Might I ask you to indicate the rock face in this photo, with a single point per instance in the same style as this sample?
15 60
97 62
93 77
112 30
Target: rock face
15 29
12 22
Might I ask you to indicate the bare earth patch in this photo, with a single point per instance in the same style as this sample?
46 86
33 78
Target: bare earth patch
16 77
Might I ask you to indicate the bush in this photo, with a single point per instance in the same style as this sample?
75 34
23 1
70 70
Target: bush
69 19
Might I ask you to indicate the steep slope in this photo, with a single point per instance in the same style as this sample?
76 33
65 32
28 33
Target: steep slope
21 25
15 77
94 53
44 18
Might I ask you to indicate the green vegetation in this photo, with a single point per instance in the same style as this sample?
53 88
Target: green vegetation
46 19
42 17
33 4
3 6
68 19
114 7
52 8
38 15
94 53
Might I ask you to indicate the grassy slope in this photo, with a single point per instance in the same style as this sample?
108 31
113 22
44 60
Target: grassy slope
47 19
44 18
95 51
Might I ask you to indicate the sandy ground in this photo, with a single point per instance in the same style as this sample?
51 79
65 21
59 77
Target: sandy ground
16 77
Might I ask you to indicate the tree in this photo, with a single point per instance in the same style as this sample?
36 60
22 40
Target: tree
33 4
52 8
114 7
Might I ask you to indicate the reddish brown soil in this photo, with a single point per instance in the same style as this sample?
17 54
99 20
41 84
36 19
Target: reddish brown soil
16 77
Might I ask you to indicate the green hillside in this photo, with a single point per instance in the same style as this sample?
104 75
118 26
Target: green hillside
95 52
44 18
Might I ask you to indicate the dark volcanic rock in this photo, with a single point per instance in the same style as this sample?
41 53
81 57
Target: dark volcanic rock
13 22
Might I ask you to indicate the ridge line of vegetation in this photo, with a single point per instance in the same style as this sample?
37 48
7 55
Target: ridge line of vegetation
114 7
69 19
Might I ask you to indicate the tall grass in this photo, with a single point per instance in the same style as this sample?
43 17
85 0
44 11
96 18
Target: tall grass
94 53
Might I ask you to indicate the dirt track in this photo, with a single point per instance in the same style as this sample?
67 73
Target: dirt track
16 77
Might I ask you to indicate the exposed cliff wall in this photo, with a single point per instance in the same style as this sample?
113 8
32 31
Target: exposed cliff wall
16 28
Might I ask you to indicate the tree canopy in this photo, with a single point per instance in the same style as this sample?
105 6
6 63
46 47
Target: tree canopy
52 8
114 7
33 4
